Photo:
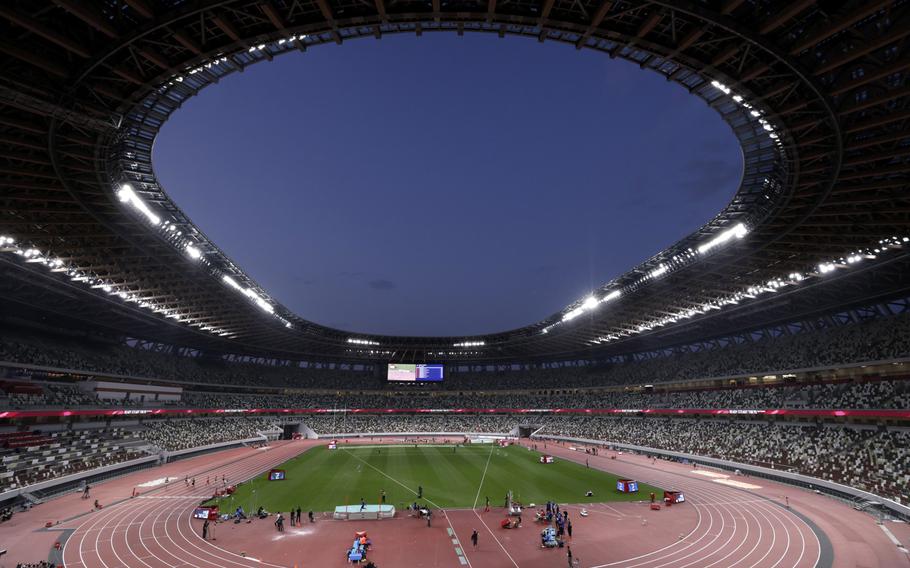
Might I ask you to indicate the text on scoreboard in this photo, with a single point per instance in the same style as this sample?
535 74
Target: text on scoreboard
414 373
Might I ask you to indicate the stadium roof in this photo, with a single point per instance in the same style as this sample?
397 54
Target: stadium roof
816 93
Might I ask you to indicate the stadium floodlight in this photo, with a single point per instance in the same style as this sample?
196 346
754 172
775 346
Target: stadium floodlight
659 271
611 296
357 341
249 293
590 303
127 195
721 87
193 251
573 314
826 267
265 306
470 344
738 231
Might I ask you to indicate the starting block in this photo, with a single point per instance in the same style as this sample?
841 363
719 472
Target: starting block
655 507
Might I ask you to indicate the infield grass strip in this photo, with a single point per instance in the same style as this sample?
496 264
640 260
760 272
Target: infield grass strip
321 479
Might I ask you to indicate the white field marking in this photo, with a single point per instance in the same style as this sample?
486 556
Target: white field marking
214 559
142 539
685 538
705 545
368 464
744 501
745 538
761 508
786 548
196 536
617 511
758 541
604 513
760 512
454 534
464 552
894 539
724 546
248 472
114 523
512 560
482 477
380 446
173 497
671 545
168 537
773 540
246 469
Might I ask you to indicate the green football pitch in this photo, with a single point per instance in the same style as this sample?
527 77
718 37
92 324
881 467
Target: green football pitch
452 477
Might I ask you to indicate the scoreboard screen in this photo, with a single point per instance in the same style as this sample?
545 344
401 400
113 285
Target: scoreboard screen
415 373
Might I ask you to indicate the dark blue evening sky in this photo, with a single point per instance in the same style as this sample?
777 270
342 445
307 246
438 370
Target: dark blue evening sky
443 185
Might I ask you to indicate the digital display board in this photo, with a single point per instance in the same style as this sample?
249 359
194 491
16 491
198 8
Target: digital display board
415 373
276 475
206 513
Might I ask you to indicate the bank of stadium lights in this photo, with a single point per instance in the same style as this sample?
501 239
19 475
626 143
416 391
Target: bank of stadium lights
683 258
128 196
369 352
753 112
192 251
249 293
771 286
738 231
356 341
33 255
455 353
589 304
470 344
283 42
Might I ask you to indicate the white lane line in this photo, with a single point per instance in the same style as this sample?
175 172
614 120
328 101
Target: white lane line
893 538
482 477
618 512
464 552
496 539
142 539
452 528
247 468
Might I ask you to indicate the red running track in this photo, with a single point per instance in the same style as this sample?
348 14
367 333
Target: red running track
719 526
